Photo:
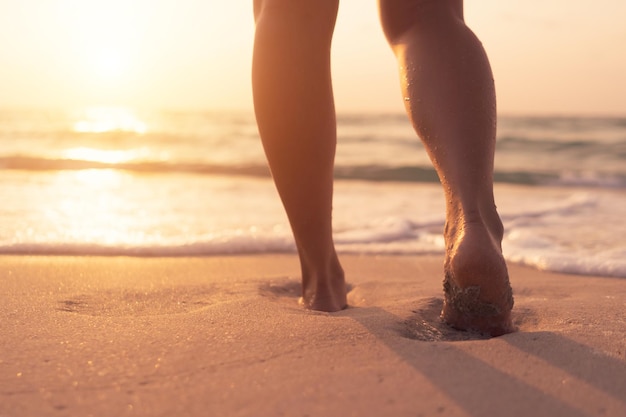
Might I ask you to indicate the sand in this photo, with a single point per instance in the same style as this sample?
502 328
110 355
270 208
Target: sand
224 336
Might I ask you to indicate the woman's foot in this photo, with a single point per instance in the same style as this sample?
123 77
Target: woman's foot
326 290
477 293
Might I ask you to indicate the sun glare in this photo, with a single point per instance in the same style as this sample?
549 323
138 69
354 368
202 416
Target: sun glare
105 38
109 64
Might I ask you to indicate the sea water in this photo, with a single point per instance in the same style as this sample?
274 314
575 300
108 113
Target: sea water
112 181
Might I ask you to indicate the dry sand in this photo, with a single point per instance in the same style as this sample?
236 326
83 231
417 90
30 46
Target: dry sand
224 336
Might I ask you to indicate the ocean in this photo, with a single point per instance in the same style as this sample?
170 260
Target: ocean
112 181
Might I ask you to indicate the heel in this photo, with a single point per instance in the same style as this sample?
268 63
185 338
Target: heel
464 310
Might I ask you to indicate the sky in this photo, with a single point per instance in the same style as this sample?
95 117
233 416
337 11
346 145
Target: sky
563 57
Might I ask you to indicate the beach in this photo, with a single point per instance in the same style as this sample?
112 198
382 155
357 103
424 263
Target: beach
147 268
224 335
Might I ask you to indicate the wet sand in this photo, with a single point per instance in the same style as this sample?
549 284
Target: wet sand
107 336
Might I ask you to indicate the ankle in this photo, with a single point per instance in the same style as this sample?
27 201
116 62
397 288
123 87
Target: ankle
460 220
323 286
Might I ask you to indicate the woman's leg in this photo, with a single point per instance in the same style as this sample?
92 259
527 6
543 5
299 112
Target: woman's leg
295 114
449 94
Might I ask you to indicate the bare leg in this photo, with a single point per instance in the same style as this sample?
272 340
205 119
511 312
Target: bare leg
450 98
295 114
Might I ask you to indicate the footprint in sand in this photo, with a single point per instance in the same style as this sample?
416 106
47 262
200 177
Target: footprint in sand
281 288
128 302
285 290
425 325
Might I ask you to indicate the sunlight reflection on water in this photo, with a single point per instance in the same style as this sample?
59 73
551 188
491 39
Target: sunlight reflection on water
109 119
90 206
101 155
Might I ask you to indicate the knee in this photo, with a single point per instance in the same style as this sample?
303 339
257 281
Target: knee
398 17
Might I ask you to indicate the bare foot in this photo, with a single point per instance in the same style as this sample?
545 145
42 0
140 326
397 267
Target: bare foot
324 292
477 292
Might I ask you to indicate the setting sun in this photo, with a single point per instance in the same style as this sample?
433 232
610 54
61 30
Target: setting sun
109 64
